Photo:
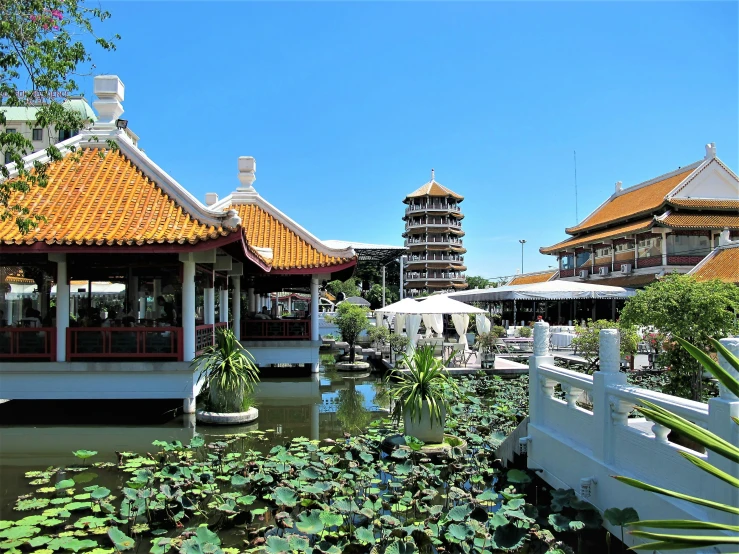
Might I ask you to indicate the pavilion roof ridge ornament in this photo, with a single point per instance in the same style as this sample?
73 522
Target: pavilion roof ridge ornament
110 92
247 173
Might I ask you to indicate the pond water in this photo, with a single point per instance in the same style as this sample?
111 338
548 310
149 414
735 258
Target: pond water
37 434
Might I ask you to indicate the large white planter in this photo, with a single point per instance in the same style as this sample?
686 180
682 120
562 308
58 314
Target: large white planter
234 418
423 429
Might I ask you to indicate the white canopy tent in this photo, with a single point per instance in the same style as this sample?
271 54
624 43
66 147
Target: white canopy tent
400 307
550 290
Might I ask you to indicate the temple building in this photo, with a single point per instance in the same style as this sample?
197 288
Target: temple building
664 225
130 276
433 235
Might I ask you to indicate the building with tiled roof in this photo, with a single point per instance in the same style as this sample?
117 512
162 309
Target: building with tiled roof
110 214
433 235
533 278
721 264
667 224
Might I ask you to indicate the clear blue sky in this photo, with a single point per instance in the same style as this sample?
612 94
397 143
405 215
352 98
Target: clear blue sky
348 106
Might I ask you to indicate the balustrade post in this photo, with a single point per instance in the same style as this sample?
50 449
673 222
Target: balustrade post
607 411
538 389
720 412
188 310
236 306
62 305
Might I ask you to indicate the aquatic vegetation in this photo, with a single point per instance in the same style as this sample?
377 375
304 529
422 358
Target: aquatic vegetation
257 492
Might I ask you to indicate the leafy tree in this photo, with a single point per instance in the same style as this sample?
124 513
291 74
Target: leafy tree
477 282
374 296
40 48
587 341
351 321
348 287
680 306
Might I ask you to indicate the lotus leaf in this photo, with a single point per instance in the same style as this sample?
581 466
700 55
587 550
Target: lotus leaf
330 519
457 532
239 480
310 522
285 497
299 543
71 543
562 523
518 476
31 504
277 545
100 493
400 547
459 513
65 484
160 545
35 542
120 540
85 477
72 506
5 524
18 532
364 535
509 537
616 516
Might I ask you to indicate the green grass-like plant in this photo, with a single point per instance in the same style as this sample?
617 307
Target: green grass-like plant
426 383
669 541
229 370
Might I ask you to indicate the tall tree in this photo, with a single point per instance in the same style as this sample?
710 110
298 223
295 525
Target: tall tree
477 282
42 52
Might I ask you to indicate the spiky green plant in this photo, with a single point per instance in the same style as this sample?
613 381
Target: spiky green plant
427 382
230 372
668 541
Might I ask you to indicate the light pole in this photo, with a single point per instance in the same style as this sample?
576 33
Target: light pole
522 241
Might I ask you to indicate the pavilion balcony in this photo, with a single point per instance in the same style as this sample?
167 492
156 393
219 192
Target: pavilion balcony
37 344
432 206
275 329
454 258
432 240
124 343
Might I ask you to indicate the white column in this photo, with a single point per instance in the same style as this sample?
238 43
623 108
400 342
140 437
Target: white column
607 412
223 301
188 312
314 329
209 312
62 307
142 306
402 264
664 247
383 286
133 295
10 312
157 290
541 355
251 299
236 307
188 405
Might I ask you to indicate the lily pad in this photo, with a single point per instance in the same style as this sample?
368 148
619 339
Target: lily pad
310 522
84 454
120 540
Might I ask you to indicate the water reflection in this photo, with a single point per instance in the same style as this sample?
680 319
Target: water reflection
38 434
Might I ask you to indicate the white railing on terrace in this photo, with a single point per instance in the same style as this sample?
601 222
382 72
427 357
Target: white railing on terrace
432 239
414 275
582 440
436 258
432 206
433 222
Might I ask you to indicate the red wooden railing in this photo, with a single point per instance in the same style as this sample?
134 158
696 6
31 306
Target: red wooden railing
275 329
124 342
222 325
204 335
28 343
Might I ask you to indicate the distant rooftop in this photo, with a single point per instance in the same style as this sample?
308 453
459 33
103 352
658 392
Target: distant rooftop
432 188
381 253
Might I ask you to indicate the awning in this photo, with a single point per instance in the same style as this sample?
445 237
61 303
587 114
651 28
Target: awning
550 290
437 304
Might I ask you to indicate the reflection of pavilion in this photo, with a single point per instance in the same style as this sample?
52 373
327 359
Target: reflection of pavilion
113 215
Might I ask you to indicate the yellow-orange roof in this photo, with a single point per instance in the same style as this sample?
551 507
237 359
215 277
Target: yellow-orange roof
12 279
99 197
289 251
641 225
723 264
432 188
631 203
531 278
701 220
705 203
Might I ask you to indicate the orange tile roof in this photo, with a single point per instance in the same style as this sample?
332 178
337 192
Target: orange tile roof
630 281
289 251
12 279
531 278
701 220
723 265
705 203
95 199
641 225
630 203
432 188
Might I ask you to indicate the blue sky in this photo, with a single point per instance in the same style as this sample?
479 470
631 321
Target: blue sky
348 106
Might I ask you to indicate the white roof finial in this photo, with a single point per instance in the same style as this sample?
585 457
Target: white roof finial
110 93
710 150
432 173
247 171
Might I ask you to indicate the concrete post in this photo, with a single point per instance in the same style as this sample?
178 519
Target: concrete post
401 277
664 247
605 413
314 422
540 356
223 304
314 328
157 293
188 312
720 412
209 312
236 306
133 295
62 306
251 300
188 405
142 306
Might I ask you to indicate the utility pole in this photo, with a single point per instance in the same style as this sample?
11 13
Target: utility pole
522 241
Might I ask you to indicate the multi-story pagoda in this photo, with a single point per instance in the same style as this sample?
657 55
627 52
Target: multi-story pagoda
433 234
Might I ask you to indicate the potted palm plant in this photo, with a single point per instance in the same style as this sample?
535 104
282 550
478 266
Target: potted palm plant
486 347
421 395
229 373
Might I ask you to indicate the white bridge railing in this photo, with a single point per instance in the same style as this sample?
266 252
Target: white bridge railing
584 439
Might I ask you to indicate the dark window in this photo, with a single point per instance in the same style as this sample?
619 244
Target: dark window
64 135
12 130
38 134
7 158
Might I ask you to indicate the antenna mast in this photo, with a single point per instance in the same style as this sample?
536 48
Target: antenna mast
574 155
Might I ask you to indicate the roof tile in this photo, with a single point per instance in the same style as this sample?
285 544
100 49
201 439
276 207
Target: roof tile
705 203
97 197
700 221
641 225
723 265
531 278
432 188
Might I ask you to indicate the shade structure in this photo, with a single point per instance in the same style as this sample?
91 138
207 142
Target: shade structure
400 307
439 304
356 300
550 290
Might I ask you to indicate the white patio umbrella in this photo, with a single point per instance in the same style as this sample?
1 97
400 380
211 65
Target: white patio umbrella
400 307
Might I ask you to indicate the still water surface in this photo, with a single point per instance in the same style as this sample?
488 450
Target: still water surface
37 434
